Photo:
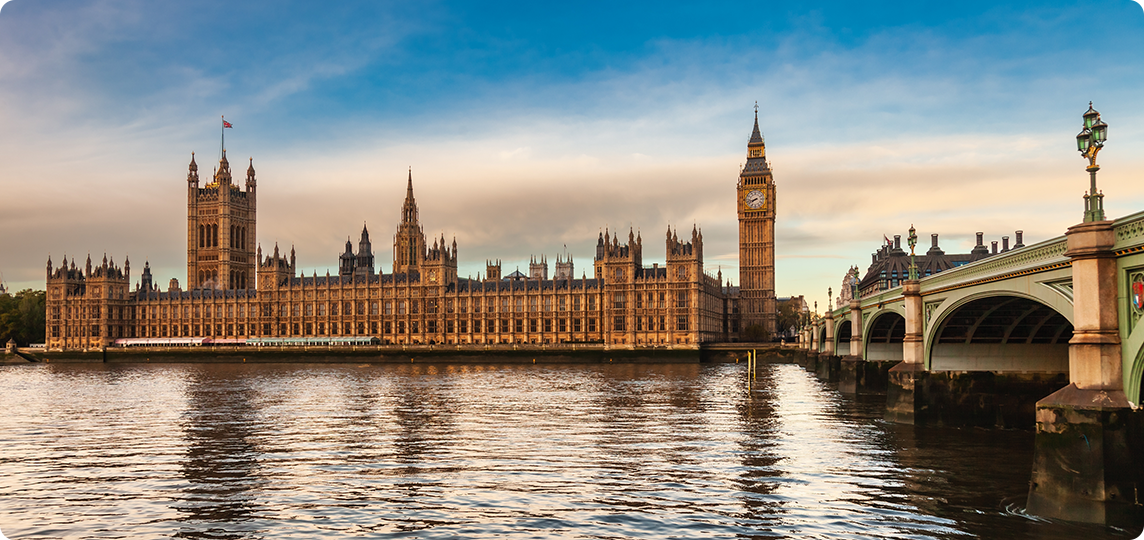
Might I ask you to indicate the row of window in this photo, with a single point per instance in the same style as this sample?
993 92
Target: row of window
504 326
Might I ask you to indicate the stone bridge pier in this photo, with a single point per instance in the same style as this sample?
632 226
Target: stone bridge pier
1087 463
1049 335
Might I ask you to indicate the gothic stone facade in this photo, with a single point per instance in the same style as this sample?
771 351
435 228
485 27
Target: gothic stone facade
756 205
423 301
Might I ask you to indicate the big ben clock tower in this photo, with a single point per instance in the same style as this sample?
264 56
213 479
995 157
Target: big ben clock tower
756 204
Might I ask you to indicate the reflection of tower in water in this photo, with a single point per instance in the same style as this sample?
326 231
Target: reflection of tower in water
221 464
759 476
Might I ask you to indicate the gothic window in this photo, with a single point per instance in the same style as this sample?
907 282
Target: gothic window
576 325
401 308
591 303
547 325
681 299
562 325
413 307
681 323
561 302
215 233
591 324
532 304
202 237
618 301
373 310
618 324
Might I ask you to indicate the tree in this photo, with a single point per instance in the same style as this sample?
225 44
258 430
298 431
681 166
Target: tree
22 317
755 333
790 315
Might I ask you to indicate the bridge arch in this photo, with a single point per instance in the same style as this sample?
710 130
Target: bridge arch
999 332
1133 348
842 332
820 339
884 336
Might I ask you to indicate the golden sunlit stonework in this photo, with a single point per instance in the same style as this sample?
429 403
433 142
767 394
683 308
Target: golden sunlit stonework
422 301
756 205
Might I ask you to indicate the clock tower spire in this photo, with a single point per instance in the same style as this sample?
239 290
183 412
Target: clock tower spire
756 205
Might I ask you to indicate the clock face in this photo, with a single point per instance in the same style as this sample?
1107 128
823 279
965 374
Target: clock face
755 199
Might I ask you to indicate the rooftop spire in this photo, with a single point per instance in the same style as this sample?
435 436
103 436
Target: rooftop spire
409 208
756 135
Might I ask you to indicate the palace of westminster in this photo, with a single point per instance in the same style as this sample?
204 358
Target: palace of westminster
234 292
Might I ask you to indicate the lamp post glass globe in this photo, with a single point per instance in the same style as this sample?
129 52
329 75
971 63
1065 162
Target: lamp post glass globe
1089 142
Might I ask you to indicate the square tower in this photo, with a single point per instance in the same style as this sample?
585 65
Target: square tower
221 229
756 205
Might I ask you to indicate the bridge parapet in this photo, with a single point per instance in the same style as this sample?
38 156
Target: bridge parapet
1041 256
1129 231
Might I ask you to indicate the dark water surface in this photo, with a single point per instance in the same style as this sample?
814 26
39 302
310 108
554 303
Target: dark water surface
577 451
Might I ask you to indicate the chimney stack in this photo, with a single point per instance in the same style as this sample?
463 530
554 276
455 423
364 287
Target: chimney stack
897 241
1004 244
994 247
980 238
933 241
1020 240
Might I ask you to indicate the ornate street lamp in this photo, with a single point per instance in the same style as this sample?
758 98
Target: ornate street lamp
854 283
913 241
1089 142
829 298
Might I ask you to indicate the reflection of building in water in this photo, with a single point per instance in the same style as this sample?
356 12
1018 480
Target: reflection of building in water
423 300
220 466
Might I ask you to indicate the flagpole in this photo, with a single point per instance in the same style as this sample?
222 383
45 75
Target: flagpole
222 130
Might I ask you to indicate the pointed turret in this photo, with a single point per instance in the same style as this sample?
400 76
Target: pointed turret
409 247
756 135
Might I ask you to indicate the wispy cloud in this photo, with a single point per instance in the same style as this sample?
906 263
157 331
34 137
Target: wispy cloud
521 143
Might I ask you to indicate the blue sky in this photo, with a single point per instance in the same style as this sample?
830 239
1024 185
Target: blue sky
531 126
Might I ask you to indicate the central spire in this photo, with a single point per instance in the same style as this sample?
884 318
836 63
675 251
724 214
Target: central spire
409 208
409 242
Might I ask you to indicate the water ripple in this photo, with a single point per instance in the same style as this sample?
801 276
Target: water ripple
417 451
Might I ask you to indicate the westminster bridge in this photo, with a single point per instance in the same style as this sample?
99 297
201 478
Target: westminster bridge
1049 331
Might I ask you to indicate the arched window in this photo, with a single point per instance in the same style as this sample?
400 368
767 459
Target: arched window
202 237
215 227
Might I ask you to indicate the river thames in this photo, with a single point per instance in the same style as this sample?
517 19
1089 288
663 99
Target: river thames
289 451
